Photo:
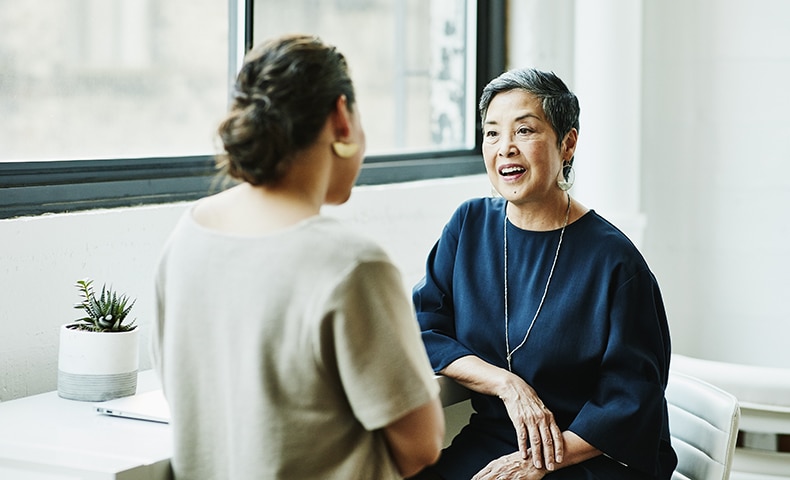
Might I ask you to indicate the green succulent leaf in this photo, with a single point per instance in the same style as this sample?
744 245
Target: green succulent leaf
105 313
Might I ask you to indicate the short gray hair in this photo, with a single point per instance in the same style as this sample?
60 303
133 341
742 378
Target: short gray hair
560 105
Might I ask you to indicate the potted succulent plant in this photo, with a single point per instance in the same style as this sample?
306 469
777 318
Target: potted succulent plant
98 357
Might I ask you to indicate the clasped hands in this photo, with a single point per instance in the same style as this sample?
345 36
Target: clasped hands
540 440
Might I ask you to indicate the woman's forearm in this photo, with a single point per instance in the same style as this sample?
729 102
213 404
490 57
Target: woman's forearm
576 451
478 375
415 440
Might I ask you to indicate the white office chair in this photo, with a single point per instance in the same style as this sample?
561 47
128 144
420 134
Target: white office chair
703 422
763 394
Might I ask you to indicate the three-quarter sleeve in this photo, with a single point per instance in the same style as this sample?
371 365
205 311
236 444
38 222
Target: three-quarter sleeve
433 299
624 417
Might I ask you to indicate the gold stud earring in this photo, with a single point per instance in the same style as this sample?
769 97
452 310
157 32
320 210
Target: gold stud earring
345 150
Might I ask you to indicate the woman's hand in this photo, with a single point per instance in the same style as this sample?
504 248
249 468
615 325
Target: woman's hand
510 467
534 423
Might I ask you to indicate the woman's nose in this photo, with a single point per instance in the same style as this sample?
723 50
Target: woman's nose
507 148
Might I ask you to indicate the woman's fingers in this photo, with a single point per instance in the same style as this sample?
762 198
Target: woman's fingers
559 442
534 424
482 473
522 435
545 439
509 467
548 446
537 444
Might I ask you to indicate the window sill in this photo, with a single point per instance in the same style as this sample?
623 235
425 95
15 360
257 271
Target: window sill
35 188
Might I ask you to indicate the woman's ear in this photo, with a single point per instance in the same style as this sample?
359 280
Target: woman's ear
342 128
341 118
568 148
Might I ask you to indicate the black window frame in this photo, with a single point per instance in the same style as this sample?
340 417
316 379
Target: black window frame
39 187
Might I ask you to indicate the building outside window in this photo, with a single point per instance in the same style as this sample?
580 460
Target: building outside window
103 79
410 62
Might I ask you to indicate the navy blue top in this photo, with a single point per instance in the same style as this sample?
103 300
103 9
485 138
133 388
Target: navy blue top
598 355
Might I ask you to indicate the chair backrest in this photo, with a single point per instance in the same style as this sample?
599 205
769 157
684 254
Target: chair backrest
703 423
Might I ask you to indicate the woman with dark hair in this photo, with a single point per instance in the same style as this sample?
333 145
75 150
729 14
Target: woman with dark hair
545 311
286 344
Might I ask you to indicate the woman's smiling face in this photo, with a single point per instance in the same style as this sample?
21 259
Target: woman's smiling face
520 149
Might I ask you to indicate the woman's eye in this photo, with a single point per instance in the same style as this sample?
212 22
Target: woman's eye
491 134
523 131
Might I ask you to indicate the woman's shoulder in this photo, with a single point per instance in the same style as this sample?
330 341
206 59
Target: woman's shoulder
596 227
333 234
483 204
480 208
474 216
602 236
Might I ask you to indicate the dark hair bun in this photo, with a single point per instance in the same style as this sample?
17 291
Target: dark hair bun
284 93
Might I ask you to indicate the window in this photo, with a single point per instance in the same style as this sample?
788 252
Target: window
115 102
93 79
411 77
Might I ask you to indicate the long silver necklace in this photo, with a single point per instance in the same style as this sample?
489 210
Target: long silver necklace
545 290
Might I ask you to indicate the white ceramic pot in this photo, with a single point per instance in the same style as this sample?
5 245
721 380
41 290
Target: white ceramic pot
97 366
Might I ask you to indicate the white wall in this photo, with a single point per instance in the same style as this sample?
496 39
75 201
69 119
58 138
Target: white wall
41 259
43 256
715 178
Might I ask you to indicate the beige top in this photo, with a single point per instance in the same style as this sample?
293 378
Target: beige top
283 355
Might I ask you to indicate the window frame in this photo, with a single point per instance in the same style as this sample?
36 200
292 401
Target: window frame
38 187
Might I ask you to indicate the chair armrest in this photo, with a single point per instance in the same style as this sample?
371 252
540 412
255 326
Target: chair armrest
762 392
451 392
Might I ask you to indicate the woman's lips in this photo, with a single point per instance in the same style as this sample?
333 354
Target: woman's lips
511 172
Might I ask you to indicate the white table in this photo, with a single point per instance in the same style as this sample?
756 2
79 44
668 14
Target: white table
45 437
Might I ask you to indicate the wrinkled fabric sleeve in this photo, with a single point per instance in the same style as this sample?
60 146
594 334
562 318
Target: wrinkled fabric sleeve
375 342
433 299
624 416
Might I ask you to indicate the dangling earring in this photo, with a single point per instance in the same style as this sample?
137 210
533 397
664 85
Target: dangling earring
345 150
567 177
